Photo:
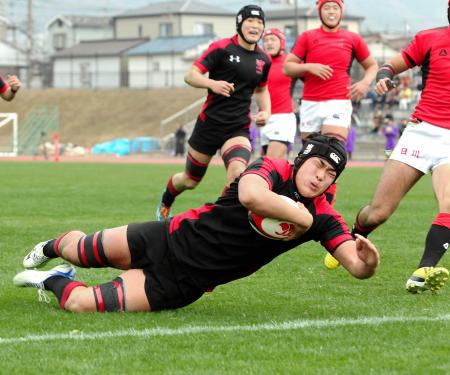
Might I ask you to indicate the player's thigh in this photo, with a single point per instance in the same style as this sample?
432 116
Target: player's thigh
199 156
134 286
277 150
396 180
115 247
441 186
235 141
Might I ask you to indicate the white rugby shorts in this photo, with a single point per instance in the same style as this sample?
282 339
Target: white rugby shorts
328 112
423 146
280 127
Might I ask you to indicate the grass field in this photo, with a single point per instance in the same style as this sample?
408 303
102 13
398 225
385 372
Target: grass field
292 317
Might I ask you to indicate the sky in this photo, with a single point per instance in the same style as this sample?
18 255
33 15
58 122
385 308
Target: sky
380 15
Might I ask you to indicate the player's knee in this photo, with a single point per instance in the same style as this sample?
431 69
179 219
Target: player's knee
190 184
237 154
194 172
90 251
110 297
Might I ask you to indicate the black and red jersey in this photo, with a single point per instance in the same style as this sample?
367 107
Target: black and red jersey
3 85
226 60
431 50
216 244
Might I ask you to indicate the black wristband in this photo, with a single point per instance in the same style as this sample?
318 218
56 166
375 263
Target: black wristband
386 71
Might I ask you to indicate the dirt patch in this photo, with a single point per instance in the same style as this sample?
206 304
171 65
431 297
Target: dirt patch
92 116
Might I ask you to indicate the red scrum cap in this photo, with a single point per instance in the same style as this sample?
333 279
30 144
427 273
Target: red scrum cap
320 3
279 34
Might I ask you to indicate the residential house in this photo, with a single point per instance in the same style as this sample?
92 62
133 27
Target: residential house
94 64
175 18
65 31
162 62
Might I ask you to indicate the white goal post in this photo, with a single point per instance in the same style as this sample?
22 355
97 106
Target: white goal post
9 138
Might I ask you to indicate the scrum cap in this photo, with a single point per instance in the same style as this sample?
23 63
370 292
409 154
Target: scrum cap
279 34
327 148
249 11
320 3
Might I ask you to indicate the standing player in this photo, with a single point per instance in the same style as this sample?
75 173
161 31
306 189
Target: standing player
9 88
280 130
171 264
323 58
423 147
237 68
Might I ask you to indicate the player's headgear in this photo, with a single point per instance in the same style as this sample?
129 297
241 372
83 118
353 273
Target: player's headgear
249 11
279 34
321 3
328 148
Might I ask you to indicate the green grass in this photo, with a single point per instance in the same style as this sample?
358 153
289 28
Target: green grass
39 201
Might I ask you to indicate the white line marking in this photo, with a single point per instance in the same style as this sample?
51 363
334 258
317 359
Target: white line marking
189 330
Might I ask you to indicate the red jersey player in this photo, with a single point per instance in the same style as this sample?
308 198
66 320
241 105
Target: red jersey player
280 130
423 147
322 58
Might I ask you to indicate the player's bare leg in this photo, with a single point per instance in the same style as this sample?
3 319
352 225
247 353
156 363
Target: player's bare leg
429 276
196 165
397 179
236 153
83 299
277 150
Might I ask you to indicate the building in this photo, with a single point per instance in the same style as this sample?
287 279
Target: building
65 31
94 64
174 18
163 62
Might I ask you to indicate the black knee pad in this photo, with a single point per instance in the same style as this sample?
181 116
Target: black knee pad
194 169
240 153
110 296
91 252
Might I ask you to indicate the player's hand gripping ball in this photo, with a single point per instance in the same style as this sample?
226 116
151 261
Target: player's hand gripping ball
272 228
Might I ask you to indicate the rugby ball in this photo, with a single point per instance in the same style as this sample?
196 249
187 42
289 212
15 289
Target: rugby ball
272 228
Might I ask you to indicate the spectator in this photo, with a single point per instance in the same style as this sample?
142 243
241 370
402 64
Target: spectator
180 140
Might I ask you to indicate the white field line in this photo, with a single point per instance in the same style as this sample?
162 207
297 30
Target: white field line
192 330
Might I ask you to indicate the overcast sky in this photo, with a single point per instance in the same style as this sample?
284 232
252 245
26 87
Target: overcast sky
380 15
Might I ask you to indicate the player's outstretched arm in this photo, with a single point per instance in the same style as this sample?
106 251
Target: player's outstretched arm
359 257
195 78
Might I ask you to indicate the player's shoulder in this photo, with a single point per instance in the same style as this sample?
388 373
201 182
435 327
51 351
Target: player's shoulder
434 30
221 43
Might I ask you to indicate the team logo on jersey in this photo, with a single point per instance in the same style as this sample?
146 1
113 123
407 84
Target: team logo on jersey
308 149
259 66
335 158
235 58
443 52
